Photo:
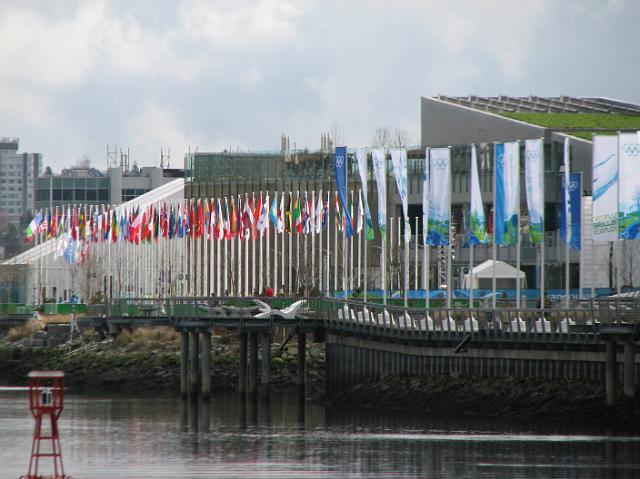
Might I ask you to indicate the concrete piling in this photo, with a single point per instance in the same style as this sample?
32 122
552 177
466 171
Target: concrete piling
206 365
302 356
184 363
253 364
266 365
612 373
242 364
193 363
629 387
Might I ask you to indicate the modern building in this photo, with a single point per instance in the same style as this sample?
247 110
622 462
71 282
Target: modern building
18 173
89 186
462 121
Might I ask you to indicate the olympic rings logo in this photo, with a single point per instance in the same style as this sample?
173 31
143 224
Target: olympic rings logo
631 149
439 163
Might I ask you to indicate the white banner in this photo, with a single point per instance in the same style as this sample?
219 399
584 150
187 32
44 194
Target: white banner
534 186
439 197
399 161
477 220
605 188
379 170
425 197
629 192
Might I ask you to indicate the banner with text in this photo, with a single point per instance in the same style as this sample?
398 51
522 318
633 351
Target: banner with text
534 186
629 166
605 188
439 197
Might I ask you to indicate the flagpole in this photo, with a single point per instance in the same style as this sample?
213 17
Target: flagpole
494 246
275 247
543 245
364 251
312 231
567 219
282 245
335 243
328 233
405 249
291 228
391 251
449 246
351 245
260 257
319 220
518 286
415 256
254 232
359 276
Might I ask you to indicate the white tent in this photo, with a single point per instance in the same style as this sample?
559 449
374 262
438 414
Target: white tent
506 276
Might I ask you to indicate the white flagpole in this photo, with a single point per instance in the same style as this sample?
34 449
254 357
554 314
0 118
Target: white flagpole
260 257
254 232
518 286
471 275
391 251
495 225
312 231
328 234
275 248
268 252
351 245
335 245
544 235
359 276
320 275
449 248
291 229
415 256
282 245
227 246
364 251
567 219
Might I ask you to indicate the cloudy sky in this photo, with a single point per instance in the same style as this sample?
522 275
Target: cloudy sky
214 74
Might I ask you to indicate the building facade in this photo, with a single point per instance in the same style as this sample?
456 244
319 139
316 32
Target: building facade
18 176
88 186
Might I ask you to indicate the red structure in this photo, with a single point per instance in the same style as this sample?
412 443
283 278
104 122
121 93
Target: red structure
46 399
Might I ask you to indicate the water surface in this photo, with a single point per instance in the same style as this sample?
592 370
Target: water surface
122 436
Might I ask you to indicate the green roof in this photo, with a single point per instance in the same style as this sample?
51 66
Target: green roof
580 120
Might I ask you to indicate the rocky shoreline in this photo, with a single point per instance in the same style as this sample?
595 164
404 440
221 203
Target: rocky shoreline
121 365
150 361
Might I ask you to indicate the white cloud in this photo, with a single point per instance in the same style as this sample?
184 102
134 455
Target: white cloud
242 22
155 127
249 79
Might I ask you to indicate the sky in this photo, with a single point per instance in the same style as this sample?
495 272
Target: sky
210 75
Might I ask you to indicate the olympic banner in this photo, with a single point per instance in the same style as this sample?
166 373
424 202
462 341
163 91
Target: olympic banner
379 170
534 185
605 188
575 210
439 197
507 193
399 162
425 198
361 157
629 166
341 184
477 221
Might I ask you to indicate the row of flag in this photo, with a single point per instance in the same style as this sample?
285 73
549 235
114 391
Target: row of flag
219 218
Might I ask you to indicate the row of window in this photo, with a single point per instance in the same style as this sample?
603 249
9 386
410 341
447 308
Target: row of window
78 194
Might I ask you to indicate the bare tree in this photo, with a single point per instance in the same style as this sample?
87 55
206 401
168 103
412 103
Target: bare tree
401 138
382 137
385 136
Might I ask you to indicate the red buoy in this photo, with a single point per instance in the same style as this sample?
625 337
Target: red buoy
46 400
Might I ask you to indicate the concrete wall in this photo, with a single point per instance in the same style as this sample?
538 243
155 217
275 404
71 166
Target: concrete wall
350 361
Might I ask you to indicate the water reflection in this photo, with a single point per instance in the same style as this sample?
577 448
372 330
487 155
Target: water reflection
238 436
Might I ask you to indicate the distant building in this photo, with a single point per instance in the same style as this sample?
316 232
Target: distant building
18 172
89 186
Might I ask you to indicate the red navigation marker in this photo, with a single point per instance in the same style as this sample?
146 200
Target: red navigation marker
46 398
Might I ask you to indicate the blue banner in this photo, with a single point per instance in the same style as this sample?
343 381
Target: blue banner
498 208
575 200
340 164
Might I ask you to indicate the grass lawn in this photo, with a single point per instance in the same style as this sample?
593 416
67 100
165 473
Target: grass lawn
579 120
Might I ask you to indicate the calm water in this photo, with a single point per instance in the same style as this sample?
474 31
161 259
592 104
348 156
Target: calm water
162 437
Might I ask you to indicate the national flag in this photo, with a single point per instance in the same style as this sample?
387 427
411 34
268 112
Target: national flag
273 211
33 227
360 221
280 226
319 213
338 216
297 220
263 218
